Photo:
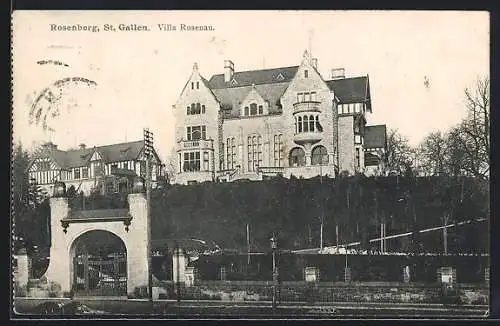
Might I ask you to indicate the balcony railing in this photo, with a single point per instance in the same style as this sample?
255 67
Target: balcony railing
308 106
197 144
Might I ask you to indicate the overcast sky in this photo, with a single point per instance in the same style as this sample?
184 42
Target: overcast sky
139 75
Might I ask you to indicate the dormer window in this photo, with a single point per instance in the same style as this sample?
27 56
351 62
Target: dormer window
253 109
306 74
280 77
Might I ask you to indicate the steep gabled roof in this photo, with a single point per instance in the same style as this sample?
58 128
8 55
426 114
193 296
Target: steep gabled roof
350 90
128 151
257 77
375 136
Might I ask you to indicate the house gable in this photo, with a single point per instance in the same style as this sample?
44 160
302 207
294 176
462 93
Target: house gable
196 89
96 156
306 79
45 163
254 98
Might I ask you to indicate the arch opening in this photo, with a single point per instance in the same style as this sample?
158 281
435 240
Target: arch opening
319 155
297 157
98 264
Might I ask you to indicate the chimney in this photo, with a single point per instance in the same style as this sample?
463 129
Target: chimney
314 63
82 146
228 70
338 73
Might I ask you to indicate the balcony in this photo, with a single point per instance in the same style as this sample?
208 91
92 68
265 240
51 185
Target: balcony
309 106
310 137
196 144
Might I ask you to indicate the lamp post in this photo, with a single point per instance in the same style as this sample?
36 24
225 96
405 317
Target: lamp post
274 247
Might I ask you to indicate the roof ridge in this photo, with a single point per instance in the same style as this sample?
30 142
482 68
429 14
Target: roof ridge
250 86
257 70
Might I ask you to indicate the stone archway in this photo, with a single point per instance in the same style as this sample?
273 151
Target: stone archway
129 225
98 267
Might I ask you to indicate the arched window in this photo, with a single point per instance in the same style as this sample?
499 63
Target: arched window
306 123
319 155
299 125
253 109
297 157
311 123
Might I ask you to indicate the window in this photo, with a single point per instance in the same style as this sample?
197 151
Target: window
195 108
357 139
339 109
192 85
231 153
358 161
206 161
125 165
308 124
254 152
76 173
197 85
297 157
313 96
261 109
196 133
253 109
278 150
98 169
307 97
357 107
191 161
319 155
306 73
85 172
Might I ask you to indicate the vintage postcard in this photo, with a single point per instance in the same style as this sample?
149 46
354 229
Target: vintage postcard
250 164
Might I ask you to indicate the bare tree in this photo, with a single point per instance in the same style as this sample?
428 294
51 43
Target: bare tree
470 140
399 153
170 167
434 153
